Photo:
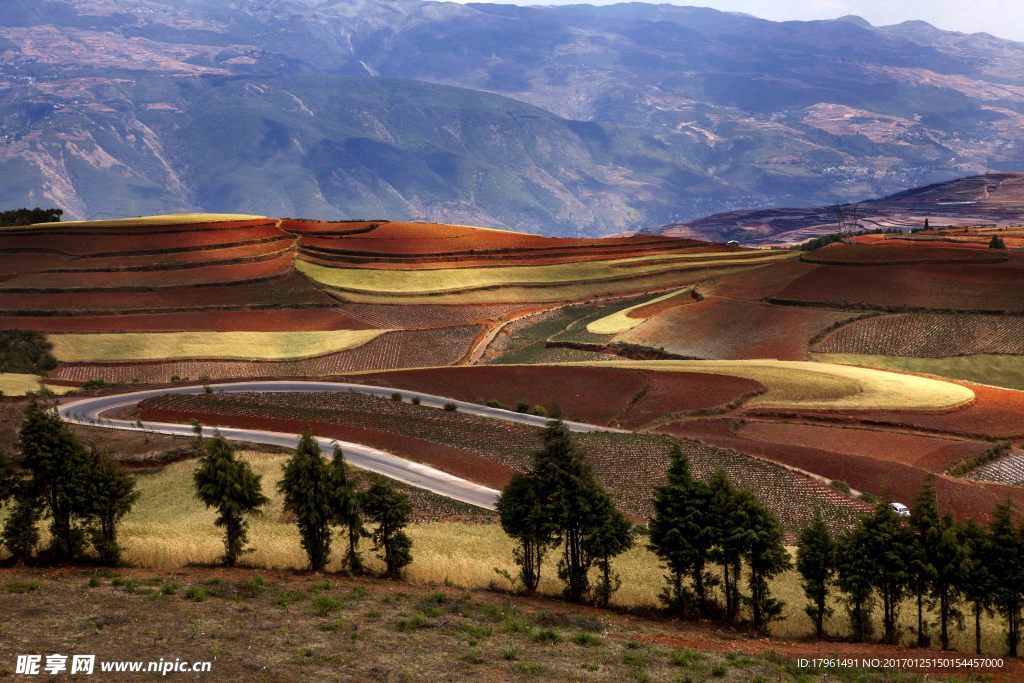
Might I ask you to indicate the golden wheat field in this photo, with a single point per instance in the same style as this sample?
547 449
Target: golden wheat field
135 346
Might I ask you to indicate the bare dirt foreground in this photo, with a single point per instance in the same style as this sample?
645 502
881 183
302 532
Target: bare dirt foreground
275 626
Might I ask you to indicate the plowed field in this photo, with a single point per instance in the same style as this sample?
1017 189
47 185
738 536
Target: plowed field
954 287
924 335
407 349
622 397
876 475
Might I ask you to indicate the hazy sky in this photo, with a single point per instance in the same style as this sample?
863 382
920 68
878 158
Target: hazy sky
1004 18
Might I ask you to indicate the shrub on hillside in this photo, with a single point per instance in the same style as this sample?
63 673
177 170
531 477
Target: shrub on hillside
25 352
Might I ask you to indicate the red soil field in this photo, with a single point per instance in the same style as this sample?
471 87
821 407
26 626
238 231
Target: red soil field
732 329
290 291
154 229
891 253
932 453
962 287
418 239
403 349
327 227
270 320
902 481
460 462
99 242
180 258
29 262
598 395
150 279
756 283
996 413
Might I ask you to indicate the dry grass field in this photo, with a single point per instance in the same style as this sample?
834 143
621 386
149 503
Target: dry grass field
138 346
15 384
169 530
259 625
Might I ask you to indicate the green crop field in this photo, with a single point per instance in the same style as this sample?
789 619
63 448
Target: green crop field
997 370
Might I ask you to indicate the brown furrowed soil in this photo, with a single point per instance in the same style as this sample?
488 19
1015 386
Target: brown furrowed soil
967 287
267 320
719 328
609 396
265 625
874 474
927 335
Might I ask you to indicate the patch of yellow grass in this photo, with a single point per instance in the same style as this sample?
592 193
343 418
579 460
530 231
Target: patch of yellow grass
823 386
620 321
13 384
452 280
549 293
160 219
169 528
131 346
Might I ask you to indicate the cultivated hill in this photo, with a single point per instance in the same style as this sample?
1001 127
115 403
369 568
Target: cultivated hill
571 120
995 199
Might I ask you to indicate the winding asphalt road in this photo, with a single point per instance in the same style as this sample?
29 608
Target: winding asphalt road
88 411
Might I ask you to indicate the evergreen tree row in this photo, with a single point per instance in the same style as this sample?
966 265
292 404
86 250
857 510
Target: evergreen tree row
321 495
943 565
82 492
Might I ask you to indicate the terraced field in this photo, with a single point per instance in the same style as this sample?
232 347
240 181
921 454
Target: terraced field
526 283
399 349
927 335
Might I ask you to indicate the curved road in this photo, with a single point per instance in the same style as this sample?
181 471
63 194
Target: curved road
87 411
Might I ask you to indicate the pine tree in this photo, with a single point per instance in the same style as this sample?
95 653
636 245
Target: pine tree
855 572
766 557
523 519
611 536
111 495
58 466
950 562
233 489
345 509
681 532
730 528
976 581
390 510
926 529
565 487
21 533
996 243
816 562
1006 564
308 492
887 543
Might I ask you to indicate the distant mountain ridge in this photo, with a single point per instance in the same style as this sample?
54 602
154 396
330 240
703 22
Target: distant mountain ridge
571 120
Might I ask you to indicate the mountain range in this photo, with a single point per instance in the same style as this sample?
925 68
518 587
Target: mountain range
573 120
